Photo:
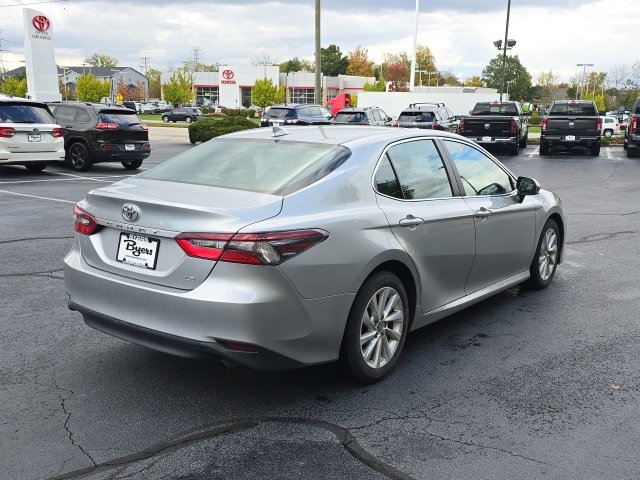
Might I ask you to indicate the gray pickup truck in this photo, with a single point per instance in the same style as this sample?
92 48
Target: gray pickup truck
569 124
496 123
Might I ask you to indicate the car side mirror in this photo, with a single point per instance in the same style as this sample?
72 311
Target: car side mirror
527 186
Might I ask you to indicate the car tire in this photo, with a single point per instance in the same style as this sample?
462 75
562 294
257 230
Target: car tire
608 133
595 151
373 339
544 149
165 119
132 164
514 149
632 152
35 167
188 119
524 141
79 158
545 260
625 144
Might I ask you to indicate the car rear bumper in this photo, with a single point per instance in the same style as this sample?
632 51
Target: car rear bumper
561 141
116 152
492 140
252 305
11 158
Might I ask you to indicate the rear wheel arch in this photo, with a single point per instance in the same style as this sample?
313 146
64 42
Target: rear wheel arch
558 219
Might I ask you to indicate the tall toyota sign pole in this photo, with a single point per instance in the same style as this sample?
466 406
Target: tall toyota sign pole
40 61
412 75
318 59
504 48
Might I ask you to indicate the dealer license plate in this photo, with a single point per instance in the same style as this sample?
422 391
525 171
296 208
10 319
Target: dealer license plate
34 137
129 146
138 250
486 139
570 137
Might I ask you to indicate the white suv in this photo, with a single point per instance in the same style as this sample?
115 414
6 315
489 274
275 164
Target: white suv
29 135
610 126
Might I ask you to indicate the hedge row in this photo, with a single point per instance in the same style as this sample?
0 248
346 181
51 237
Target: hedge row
208 128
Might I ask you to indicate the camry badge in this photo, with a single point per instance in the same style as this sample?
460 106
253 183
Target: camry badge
130 212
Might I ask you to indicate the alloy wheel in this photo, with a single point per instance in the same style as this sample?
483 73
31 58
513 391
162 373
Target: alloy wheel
548 254
381 327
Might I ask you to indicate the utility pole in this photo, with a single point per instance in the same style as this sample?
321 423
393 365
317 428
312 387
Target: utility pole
2 68
146 69
504 51
318 98
195 51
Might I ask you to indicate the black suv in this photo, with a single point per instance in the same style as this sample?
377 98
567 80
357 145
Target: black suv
187 114
435 116
362 116
96 133
296 114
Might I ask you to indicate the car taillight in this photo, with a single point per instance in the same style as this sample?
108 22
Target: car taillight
461 126
271 248
437 126
83 222
513 127
634 125
143 126
599 124
57 132
107 126
7 132
545 123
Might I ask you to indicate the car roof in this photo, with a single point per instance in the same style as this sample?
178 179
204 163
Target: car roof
339 134
96 106
9 99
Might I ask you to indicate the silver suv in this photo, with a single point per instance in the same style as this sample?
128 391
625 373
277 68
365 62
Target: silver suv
362 116
435 116
29 135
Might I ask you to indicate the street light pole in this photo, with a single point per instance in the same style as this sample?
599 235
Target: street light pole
504 48
584 73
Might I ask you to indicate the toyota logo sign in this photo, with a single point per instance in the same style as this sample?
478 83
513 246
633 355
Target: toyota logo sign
227 74
41 23
130 212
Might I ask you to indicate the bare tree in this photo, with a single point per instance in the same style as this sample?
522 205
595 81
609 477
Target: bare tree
617 76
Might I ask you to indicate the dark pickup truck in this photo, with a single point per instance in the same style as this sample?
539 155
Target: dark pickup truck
632 132
496 123
571 123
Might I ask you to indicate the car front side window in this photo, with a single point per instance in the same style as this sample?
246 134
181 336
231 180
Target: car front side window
480 175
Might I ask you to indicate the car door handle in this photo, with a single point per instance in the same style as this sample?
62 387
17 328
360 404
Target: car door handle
483 213
411 221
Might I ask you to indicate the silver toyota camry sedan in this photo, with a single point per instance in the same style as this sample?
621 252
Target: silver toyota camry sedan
275 249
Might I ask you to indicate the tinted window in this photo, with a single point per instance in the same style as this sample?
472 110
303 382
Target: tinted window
263 166
486 108
83 116
480 175
376 116
416 117
22 113
351 117
584 109
280 113
124 119
386 181
65 114
420 170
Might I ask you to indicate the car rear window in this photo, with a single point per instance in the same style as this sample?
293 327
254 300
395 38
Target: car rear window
23 113
578 109
416 117
261 166
280 113
351 117
494 109
124 119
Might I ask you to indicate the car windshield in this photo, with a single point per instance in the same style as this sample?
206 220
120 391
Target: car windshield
280 113
416 117
584 109
350 117
494 109
262 166
123 119
23 113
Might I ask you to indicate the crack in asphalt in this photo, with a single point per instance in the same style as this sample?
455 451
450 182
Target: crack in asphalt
591 214
44 273
185 439
27 239
68 415
598 237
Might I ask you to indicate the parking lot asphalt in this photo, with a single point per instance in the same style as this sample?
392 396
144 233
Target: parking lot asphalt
526 384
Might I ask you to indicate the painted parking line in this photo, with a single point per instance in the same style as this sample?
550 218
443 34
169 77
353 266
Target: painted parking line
38 197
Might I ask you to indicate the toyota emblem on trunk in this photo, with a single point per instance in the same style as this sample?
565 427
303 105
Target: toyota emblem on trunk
130 212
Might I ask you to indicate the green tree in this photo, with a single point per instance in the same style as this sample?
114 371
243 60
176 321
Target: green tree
179 89
15 86
546 82
473 81
297 65
264 93
154 83
426 62
359 63
333 62
379 86
445 77
100 60
281 96
515 73
90 89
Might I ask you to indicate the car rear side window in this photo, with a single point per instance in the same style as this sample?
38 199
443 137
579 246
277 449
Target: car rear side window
262 166
386 181
280 113
122 119
479 174
350 117
24 113
420 170
416 117
65 114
